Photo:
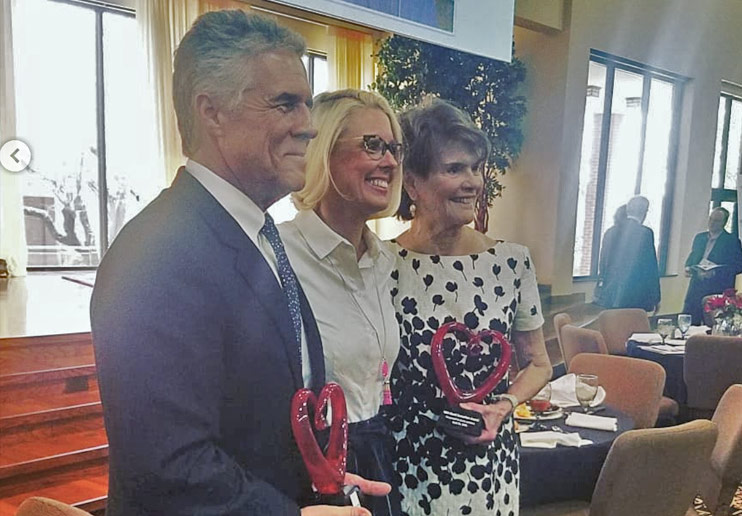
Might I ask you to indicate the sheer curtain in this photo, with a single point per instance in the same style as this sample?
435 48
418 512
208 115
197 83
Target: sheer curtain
12 227
350 59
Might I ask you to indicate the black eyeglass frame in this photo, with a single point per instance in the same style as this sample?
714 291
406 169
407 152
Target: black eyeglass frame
394 148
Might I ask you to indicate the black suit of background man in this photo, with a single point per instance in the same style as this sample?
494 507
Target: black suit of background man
726 251
629 275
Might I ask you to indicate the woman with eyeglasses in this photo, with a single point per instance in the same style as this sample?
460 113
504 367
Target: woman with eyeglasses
353 174
446 271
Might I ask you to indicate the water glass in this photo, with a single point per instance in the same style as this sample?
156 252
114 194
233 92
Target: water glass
586 388
665 327
683 324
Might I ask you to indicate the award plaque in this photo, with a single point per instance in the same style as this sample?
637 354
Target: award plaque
326 469
454 419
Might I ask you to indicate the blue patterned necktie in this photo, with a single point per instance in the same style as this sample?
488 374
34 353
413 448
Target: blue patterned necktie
286 275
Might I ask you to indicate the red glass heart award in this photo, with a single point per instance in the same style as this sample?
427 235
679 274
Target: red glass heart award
327 470
454 419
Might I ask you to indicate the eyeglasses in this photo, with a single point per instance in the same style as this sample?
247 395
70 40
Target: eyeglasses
375 146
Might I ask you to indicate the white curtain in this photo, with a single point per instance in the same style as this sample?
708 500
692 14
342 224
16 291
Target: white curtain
12 227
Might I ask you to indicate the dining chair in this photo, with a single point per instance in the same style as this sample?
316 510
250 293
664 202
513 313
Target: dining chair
580 340
647 472
632 385
711 364
618 324
721 477
40 506
560 320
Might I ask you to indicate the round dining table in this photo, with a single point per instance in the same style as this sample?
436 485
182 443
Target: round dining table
565 473
672 364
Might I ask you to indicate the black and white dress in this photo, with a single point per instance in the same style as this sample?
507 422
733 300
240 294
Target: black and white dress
496 289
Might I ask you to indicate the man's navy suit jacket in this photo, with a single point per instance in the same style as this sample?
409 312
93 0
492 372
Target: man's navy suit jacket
726 251
630 273
197 363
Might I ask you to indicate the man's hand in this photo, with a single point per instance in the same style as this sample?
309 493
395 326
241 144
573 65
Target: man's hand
368 487
493 416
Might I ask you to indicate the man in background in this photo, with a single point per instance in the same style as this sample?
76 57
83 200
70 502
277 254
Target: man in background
712 265
630 275
202 333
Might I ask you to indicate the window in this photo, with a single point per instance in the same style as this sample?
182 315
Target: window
316 65
628 148
82 110
727 158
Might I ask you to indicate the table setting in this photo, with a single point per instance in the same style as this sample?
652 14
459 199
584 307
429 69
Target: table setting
551 418
565 432
667 350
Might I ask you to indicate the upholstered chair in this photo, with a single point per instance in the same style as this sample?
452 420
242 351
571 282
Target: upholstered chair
647 472
632 385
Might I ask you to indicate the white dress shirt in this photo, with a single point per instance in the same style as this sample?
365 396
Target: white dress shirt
352 303
251 219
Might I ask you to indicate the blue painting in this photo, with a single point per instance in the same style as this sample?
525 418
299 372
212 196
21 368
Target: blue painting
433 13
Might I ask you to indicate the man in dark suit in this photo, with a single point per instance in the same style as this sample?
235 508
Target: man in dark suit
202 333
714 247
630 276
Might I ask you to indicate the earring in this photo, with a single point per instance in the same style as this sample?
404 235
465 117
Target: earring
413 209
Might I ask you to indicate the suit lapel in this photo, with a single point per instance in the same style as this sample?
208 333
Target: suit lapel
249 263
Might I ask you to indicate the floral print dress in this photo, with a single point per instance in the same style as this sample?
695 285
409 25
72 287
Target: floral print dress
439 474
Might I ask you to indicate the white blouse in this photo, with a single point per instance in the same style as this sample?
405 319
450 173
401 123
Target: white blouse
352 304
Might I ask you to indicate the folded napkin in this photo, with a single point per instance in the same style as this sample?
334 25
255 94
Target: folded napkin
698 330
563 392
609 424
646 338
551 439
666 349
674 342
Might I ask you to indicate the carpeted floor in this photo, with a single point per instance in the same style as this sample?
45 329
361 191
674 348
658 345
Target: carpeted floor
736 505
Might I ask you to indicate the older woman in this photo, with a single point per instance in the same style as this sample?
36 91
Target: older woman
353 175
447 271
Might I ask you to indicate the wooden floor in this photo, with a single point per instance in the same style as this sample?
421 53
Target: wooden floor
52 439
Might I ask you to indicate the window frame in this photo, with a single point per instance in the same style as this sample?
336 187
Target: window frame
613 63
99 9
719 194
313 55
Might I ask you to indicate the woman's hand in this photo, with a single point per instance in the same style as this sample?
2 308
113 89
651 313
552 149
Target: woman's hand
493 416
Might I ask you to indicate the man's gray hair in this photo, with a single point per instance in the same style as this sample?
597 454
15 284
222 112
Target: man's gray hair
211 59
637 207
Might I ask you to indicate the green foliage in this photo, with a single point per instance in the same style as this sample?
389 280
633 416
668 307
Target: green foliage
485 88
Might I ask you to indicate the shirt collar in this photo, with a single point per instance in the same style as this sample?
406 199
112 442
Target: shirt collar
635 218
242 209
323 240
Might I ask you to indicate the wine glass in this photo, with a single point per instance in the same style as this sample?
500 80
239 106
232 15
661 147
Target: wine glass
683 324
665 327
586 388
540 403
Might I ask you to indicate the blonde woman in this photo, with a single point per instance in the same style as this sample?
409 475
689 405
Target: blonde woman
353 175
